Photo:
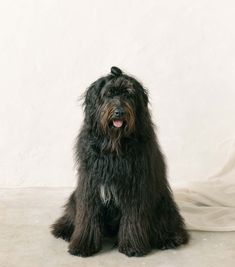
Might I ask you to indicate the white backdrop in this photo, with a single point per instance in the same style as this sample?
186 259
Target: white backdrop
50 51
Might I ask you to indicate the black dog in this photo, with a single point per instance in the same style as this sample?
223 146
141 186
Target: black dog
122 189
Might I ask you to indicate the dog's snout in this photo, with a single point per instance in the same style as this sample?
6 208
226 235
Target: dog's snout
119 112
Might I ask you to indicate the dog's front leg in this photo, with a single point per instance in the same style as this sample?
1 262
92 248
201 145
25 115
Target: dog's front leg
134 237
87 237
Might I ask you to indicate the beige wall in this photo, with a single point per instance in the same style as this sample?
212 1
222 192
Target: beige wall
50 51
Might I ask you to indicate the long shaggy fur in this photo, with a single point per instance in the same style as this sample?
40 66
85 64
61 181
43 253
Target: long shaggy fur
122 188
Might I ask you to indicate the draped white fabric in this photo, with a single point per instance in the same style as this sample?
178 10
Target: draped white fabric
210 205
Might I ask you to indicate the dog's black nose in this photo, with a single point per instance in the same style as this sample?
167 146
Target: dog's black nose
119 112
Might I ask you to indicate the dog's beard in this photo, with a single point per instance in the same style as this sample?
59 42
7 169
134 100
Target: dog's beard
115 129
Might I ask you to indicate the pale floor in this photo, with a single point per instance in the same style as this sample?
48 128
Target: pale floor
25 241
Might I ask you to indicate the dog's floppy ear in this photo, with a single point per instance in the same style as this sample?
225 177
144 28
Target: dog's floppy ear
141 90
145 97
93 91
91 96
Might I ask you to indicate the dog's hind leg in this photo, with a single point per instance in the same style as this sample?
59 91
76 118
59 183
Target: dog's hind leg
64 226
169 227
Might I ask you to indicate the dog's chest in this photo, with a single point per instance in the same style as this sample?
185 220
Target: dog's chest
111 173
108 194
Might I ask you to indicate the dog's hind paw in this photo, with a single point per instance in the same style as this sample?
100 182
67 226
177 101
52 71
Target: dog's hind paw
61 231
174 241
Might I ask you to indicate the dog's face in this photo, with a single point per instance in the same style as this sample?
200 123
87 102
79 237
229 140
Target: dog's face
117 112
115 106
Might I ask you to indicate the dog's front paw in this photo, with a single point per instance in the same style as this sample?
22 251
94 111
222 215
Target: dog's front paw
131 252
82 251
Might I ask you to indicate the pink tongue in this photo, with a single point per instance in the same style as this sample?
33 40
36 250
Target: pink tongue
117 123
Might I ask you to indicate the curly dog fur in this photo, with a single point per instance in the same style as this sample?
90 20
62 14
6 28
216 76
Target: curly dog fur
122 188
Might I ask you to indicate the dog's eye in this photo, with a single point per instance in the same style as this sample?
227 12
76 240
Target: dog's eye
127 95
112 92
130 91
108 94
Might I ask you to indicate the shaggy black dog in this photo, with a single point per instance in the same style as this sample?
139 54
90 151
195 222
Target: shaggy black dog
122 189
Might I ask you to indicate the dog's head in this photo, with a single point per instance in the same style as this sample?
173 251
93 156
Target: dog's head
115 106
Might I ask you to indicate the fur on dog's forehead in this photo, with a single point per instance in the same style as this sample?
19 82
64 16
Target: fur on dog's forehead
116 87
109 86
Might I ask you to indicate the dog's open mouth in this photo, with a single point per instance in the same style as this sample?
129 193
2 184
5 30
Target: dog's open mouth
117 123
